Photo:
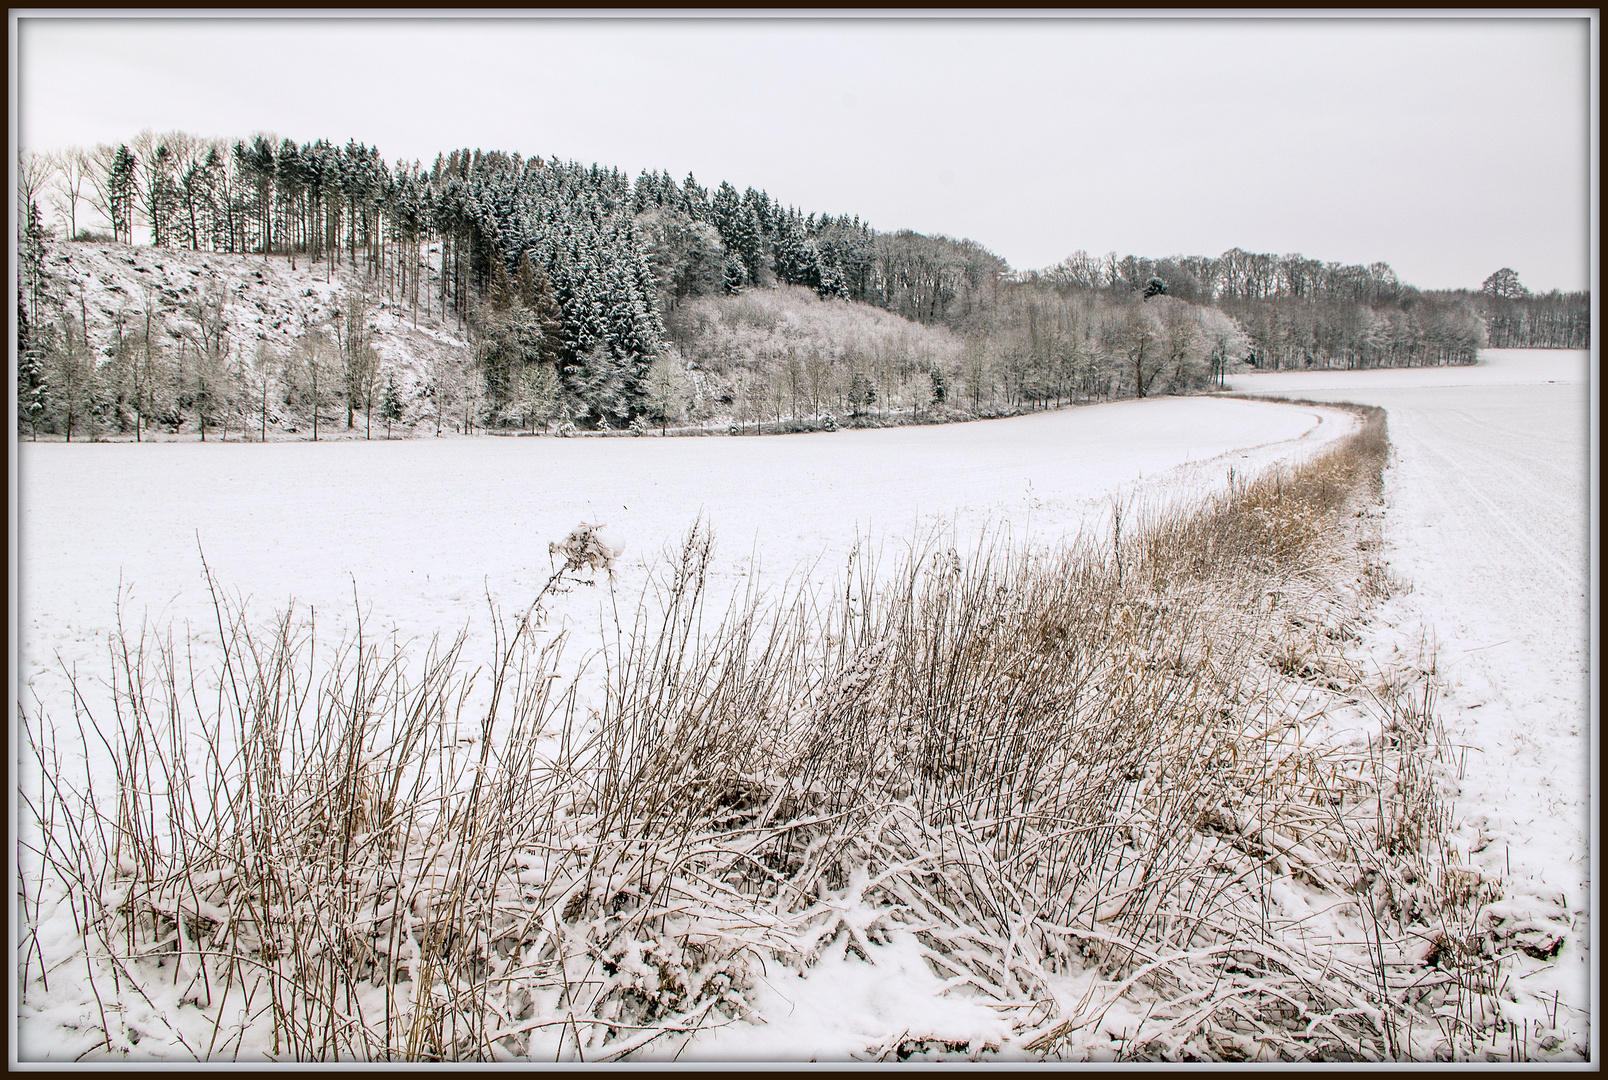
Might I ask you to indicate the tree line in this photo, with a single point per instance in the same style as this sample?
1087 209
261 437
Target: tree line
785 359
1516 318
564 278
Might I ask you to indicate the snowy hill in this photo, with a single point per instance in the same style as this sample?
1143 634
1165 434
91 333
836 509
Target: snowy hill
265 302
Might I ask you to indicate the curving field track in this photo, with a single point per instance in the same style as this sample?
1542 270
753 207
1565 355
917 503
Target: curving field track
1490 518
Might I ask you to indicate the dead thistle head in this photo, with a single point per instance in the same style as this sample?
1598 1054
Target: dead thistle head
583 548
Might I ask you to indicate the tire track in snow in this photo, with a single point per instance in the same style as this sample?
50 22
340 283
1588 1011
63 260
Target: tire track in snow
1460 470
1487 517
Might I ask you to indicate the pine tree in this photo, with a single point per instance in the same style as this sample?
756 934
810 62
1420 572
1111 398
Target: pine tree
1505 285
121 192
31 385
736 274
391 405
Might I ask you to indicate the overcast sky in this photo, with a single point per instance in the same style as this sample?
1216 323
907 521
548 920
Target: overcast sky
1446 147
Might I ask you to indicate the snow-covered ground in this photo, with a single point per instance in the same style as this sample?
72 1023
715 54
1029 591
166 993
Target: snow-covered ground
1490 507
422 530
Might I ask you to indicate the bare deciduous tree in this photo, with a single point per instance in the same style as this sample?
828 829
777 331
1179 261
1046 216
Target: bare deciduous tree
1225 342
73 187
314 371
34 174
71 373
360 364
1131 337
666 388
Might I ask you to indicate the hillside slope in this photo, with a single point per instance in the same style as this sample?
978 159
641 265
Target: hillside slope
266 302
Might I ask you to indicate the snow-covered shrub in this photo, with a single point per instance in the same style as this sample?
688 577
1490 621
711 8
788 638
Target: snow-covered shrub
804 351
372 874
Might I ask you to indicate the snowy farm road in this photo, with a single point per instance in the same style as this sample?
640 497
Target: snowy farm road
1489 504
422 530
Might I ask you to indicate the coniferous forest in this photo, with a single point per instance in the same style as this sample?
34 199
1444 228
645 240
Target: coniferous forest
574 295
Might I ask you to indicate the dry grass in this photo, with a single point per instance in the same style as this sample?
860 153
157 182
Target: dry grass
1091 767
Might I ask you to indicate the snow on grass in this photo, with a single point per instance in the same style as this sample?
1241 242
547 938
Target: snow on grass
1488 503
846 1007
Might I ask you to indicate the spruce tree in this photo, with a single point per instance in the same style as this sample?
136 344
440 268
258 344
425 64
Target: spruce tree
391 405
829 279
724 209
31 259
121 191
31 390
160 197
736 273
538 294
695 201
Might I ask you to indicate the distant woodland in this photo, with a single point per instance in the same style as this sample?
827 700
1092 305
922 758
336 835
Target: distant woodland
588 300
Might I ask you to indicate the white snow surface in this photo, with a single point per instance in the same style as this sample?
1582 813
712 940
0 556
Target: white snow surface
1489 518
422 530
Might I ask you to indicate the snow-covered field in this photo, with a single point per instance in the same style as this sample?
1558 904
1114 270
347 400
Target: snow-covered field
1490 509
422 530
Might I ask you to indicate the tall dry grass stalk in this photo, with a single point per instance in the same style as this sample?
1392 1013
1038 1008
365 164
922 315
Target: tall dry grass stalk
1090 766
